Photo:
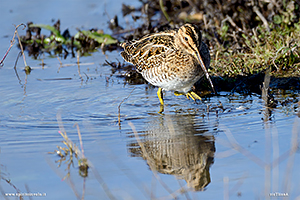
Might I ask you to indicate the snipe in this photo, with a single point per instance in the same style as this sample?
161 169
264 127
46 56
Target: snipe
172 60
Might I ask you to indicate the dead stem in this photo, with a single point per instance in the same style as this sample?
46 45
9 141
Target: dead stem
12 42
235 145
11 184
291 156
60 63
3 193
183 190
128 172
28 191
119 108
15 68
78 63
71 151
68 180
268 164
21 46
226 188
80 139
262 18
43 64
235 188
102 183
164 10
102 47
24 86
267 167
265 88
73 148
83 188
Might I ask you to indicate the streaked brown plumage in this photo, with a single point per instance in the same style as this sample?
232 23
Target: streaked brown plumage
172 60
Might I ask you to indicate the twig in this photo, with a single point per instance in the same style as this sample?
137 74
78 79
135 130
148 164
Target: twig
75 149
119 108
12 42
103 45
235 188
87 77
294 148
184 190
68 180
80 139
11 184
265 88
78 56
3 193
265 97
275 169
15 68
78 63
21 46
262 18
235 145
205 22
228 18
61 127
25 85
226 188
28 191
101 181
128 172
83 189
43 64
60 63
163 10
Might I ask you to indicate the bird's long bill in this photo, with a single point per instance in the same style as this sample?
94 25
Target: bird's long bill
205 70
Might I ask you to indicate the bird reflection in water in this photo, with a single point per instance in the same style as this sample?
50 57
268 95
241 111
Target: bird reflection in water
175 144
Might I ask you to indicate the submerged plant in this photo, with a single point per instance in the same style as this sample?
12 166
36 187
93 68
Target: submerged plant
70 151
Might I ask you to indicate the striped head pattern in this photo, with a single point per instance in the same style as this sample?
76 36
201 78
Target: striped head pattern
188 38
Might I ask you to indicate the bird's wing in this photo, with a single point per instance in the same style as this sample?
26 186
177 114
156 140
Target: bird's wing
149 51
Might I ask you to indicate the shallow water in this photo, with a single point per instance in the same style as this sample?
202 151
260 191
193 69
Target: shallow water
147 155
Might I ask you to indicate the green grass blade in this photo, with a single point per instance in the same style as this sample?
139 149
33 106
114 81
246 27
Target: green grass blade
58 36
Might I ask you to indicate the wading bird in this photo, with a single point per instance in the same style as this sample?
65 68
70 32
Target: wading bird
171 60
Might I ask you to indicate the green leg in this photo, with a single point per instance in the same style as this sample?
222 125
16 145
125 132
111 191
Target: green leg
160 97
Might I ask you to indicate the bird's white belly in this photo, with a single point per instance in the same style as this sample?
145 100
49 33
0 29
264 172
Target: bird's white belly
174 80
174 84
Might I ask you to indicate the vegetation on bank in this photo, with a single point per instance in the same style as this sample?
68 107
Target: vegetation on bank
245 37
276 48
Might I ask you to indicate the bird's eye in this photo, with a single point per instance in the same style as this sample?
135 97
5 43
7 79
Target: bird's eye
186 39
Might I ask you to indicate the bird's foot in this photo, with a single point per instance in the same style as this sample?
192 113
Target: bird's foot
188 95
161 109
192 95
178 93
